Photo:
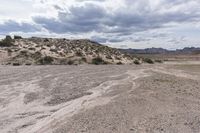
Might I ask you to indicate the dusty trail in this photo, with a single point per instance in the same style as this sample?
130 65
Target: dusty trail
63 99
85 102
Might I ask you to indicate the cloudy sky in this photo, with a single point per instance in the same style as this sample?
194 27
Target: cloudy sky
119 23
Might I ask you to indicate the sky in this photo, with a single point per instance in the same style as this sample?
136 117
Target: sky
170 24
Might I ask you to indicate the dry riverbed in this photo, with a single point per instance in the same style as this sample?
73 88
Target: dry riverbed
100 99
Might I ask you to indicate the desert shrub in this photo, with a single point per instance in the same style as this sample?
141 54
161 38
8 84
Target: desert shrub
63 62
136 62
150 61
46 40
48 45
17 37
108 57
47 60
16 64
36 55
159 61
31 49
119 63
28 64
8 63
79 53
84 59
97 51
70 62
53 50
98 61
24 52
7 42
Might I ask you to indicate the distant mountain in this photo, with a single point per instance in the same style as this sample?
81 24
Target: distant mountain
187 50
145 51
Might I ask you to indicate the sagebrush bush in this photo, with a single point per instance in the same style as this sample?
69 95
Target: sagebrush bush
119 63
136 62
147 60
70 62
7 42
47 60
16 64
79 53
98 61
84 59
17 37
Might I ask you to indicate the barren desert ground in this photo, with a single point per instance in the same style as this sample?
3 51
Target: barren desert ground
161 98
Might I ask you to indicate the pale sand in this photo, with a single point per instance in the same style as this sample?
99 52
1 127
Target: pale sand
60 99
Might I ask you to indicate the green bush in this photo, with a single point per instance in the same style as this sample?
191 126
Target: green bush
7 42
98 61
17 37
150 61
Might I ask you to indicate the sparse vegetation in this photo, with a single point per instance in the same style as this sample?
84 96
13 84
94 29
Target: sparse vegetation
108 57
17 37
16 64
148 60
84 59
7 42
136 62
31 49
28 64
119 63
79 53
47 60
70 62
98 61
24 52
61 51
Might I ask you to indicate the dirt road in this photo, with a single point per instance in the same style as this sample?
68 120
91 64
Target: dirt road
100 99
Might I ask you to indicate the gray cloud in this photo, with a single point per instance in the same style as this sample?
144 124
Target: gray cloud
93 17
12 26
115 25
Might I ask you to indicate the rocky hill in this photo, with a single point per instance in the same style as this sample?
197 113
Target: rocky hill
29 51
